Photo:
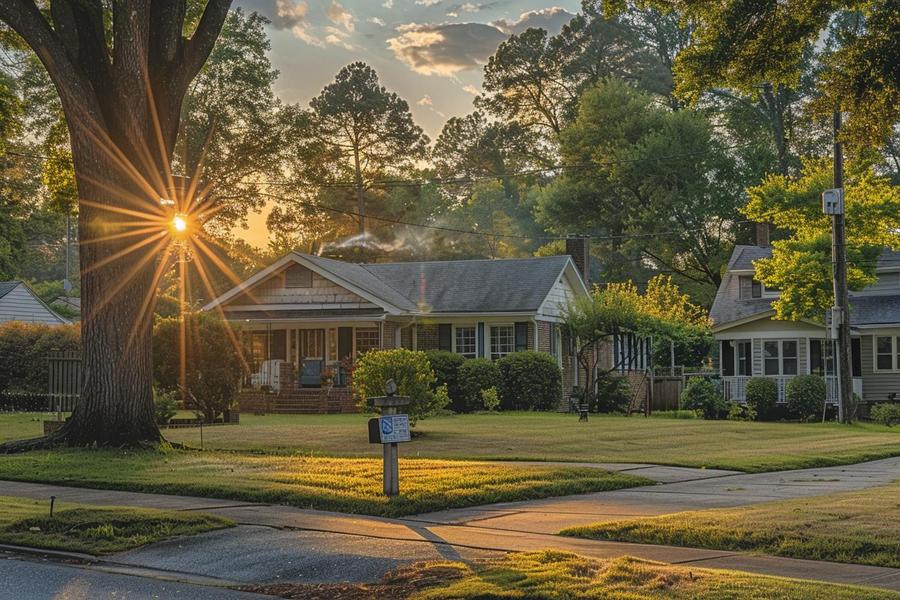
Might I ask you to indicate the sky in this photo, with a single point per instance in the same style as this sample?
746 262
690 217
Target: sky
431 52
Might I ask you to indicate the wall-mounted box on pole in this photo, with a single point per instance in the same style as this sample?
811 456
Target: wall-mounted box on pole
390 429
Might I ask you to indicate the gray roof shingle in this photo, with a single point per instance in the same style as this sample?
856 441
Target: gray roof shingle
875 310
504 285
7 286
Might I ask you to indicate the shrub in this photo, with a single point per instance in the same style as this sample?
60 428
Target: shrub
412 373
886 414
446 371
213 365
529 381
762 395
741 412
805 396
166 404
23 353
613 395
702 395
475 375
490 398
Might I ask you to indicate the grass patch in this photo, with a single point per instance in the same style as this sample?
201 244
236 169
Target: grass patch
553 575
94 529
853 527
343 484
751 447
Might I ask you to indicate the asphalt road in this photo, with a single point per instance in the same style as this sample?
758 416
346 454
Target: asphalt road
26 579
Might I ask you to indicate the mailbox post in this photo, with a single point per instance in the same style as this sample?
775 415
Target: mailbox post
389 429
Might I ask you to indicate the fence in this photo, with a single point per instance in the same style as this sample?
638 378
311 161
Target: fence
668 382
64 383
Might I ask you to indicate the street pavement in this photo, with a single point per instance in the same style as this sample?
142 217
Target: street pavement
276 543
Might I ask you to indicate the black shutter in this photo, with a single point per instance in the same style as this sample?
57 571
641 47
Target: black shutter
445 341
727 358
856 357
521 336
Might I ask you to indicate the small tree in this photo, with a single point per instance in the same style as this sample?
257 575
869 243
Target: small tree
702 395
529 381
805 396
209 374
762 395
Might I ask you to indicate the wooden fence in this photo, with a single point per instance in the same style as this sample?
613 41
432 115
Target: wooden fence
64 383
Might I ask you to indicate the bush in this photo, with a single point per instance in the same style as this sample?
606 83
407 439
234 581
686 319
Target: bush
475 375
805 396
412 373
741 412
446 370
702 395
613 395
762 396
886 414
214 365
23 353
490 398
166 404
529 381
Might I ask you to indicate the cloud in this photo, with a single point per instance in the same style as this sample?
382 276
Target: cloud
428 2
288 14
376 21
388 3
425 101
552 19
471 89
340 16
445 49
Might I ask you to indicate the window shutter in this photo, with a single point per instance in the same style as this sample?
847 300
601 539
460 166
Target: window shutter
727 358
553 339
444 337
479 334
521 336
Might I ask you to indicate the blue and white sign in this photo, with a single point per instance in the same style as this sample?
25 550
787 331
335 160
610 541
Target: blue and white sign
394 428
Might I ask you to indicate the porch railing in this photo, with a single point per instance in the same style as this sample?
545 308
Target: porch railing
735 387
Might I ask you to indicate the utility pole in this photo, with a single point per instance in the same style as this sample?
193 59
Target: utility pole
833 204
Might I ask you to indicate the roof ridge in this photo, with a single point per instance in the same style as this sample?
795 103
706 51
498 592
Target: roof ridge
461 260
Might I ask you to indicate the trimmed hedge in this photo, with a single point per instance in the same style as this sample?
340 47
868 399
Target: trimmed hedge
703 396
529 381
762 396
886 414
475 376
23 353
446 367
805 396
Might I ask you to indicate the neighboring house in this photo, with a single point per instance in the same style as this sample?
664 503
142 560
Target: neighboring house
19 303
316 315
754 344
68 304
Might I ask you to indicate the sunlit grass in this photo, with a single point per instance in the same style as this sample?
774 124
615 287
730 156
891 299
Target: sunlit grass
94 529
554 575
856 527
341 484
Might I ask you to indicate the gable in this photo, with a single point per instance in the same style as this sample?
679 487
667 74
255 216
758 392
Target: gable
297 285
561 295
20 304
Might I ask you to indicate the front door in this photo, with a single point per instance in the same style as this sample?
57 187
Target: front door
312 344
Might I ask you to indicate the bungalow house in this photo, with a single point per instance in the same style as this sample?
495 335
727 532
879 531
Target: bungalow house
306 316
19 303
752 343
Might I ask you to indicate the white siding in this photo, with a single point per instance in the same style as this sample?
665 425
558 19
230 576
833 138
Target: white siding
560 296
21 305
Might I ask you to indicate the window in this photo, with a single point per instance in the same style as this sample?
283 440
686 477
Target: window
503 340
887 353
298 276
464 340
312 343
366 339
743 358
751 289
821 357
780 357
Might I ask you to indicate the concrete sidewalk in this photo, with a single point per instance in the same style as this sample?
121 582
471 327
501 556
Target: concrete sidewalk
281 543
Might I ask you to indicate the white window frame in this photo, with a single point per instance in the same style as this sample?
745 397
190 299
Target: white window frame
474 328
895 353
366 331
490 341
781 357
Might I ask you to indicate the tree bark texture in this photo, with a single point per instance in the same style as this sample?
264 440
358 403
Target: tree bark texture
122 103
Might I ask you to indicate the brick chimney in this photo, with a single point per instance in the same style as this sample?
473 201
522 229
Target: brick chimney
579 248
762 235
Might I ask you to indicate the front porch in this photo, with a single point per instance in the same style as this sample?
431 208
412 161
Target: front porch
735 387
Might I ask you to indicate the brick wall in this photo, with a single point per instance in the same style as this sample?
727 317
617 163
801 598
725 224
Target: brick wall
427 337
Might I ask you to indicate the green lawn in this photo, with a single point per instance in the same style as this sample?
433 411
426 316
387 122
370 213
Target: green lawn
553 575
94 529
560 437
550 436
343 484
855 527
